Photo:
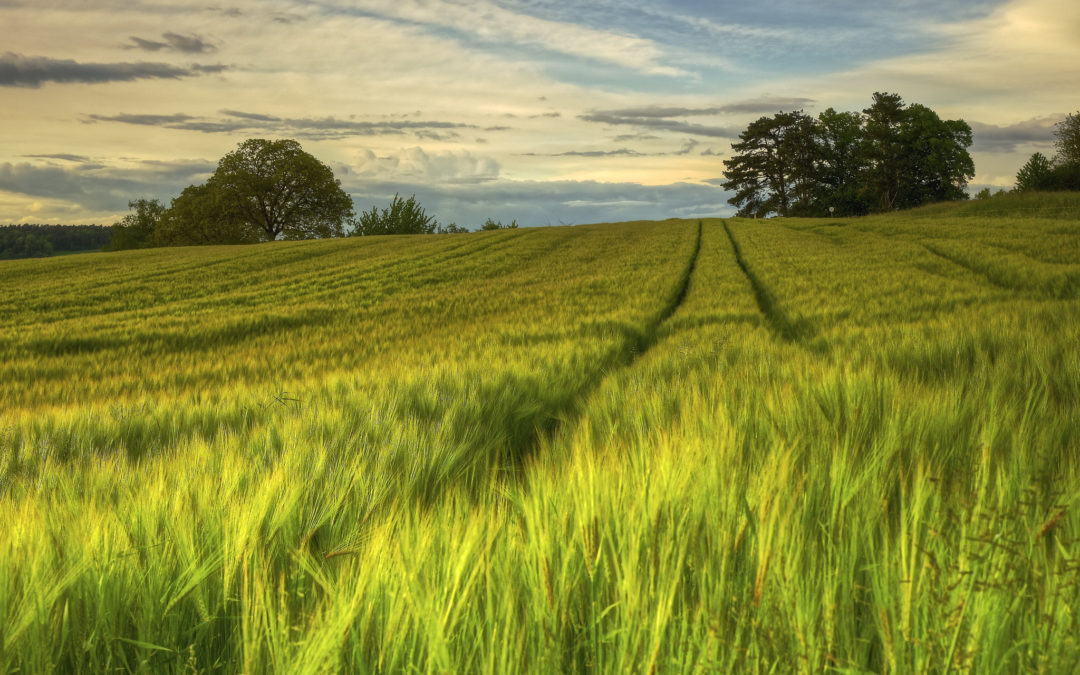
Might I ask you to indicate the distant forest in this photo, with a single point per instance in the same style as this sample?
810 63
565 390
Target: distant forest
39 241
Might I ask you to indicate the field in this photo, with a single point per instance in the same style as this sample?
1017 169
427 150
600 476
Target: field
678 446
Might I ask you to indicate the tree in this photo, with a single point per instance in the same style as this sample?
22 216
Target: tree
452 228
136 229
1034 174
772 167
278 190
404 216
490 224
199 216
882 149
1067 139
934 161
840 170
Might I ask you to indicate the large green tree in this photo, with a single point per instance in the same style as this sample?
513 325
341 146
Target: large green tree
278 190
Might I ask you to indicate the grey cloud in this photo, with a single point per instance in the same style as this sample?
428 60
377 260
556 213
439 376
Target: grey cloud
102 188
635 137
174 42
145 120
325 128
663 124
146 45
547 114
995 138
758 105
209 69
17 70
687 148
497 128
79 159
250 116
625 152
188 44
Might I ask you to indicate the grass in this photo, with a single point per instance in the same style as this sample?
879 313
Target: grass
797 445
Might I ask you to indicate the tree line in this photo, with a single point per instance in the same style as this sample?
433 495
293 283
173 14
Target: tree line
892 155
38 241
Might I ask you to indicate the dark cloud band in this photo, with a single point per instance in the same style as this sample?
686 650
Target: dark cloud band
17 70
322 128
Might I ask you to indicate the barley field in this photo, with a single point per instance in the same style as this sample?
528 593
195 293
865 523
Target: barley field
674 447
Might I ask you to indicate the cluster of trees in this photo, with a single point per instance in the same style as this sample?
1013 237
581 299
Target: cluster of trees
1060 172
36 241
892 155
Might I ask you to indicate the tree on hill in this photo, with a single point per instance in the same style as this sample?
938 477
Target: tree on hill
278 190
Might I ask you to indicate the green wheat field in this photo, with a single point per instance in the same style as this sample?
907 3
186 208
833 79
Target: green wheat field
674 447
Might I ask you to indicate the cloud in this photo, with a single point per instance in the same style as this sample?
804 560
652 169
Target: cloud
621 152
659 123
99 188
495 23
323 128
417 164
17 70
674 118
1008 138
80 159
757 105
187 44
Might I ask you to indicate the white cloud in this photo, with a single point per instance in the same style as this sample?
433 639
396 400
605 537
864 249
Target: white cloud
489 22
416 164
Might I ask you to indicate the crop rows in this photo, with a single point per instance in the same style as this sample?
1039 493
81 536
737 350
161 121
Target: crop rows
671 447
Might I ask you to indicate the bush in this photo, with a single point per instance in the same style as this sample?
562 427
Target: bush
405 216
497 225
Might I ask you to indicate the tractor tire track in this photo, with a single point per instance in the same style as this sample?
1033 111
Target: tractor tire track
780 323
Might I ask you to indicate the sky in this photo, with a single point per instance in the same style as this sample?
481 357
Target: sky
546 112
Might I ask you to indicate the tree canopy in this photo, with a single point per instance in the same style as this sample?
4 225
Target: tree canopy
891 155
277 189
